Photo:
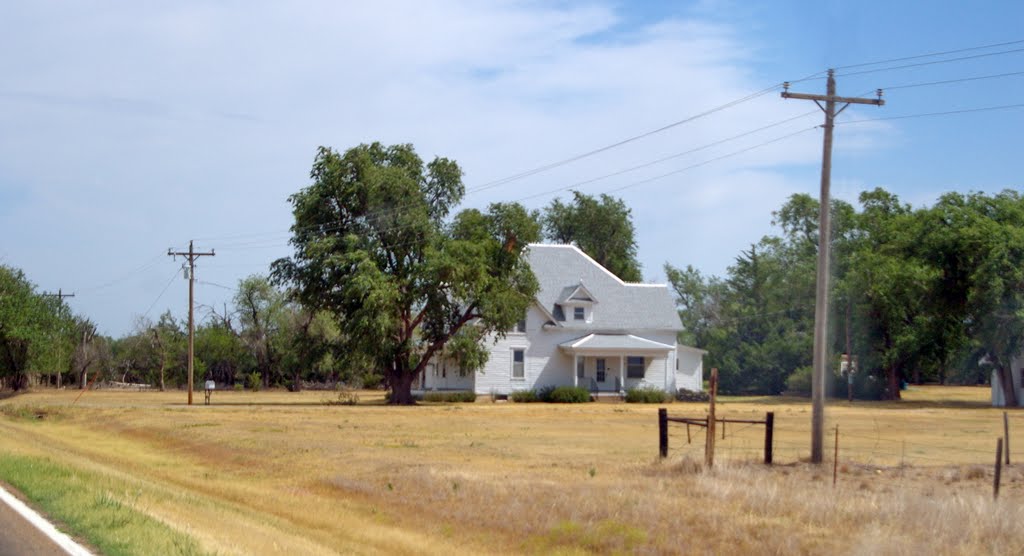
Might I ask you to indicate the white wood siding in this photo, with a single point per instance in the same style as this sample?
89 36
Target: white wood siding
690 374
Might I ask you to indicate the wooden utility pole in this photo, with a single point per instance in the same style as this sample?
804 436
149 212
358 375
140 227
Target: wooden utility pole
709 440
191 255
820 358
60 295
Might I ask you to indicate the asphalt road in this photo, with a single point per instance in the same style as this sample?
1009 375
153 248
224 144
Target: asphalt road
19 537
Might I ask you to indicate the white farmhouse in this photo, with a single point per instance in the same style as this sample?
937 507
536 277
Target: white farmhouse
585 328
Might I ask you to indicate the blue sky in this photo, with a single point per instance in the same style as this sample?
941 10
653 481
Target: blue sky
131 127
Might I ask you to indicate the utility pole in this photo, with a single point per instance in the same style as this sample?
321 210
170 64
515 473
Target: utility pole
191 255
60 295
820 359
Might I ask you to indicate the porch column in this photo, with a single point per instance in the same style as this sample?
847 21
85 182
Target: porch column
575 373
666 372
622 372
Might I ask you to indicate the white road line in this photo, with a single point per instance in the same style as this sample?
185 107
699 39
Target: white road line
60 539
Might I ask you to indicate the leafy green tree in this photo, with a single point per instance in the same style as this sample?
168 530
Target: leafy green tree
27 322
261 309
372 249
223 354
601 227
979 243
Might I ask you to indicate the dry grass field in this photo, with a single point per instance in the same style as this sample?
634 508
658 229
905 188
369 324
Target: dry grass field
284 473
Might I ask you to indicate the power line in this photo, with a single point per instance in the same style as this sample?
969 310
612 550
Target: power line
962 80
628 140
929 55
262 244
919 64
214 284
929 114
144 266
162 292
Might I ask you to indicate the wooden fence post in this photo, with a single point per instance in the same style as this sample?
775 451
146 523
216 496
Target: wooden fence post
1006 437
709 441
769 427
999 469
663 432
835 459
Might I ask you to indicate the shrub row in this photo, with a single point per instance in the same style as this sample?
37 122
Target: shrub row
552 394
450 397
647 395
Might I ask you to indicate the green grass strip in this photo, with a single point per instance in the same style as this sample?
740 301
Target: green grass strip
93 507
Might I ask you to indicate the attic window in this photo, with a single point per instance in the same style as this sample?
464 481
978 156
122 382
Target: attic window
579 313
520 326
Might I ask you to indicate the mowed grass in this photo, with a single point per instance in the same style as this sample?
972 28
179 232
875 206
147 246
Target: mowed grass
278 472
93 507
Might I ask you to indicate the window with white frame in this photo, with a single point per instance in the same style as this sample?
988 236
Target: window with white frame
519 363
579 313
634 367
520 327
600 370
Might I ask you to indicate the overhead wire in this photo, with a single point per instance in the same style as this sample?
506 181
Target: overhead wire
930 55
930 114
931 63
162 292
948 81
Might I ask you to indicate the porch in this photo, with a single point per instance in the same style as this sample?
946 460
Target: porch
610 364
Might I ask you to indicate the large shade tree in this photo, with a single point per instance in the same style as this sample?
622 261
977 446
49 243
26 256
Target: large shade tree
602 227
30 325
374 247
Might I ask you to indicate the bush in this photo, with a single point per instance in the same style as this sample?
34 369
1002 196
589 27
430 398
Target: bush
450 397
524 396
564 394
646 394
685 395
252 380
799 383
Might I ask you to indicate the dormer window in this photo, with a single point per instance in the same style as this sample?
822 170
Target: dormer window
520 327
577 304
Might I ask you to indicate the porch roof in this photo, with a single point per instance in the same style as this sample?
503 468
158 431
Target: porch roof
604 343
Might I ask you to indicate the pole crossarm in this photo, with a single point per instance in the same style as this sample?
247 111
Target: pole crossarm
838 99
820 354
59 295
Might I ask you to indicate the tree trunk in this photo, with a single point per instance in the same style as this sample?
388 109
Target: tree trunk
401 387
83 376
892 380
19 381
1009 392
297 382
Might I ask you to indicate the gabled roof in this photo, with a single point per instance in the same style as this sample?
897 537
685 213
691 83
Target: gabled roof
613 342
623 306
578 293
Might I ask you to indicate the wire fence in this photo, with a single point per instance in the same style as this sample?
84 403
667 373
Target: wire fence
856 446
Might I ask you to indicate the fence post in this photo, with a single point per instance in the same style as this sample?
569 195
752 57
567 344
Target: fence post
663 432
769 428
999 469
709 441
835 459
1006 437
